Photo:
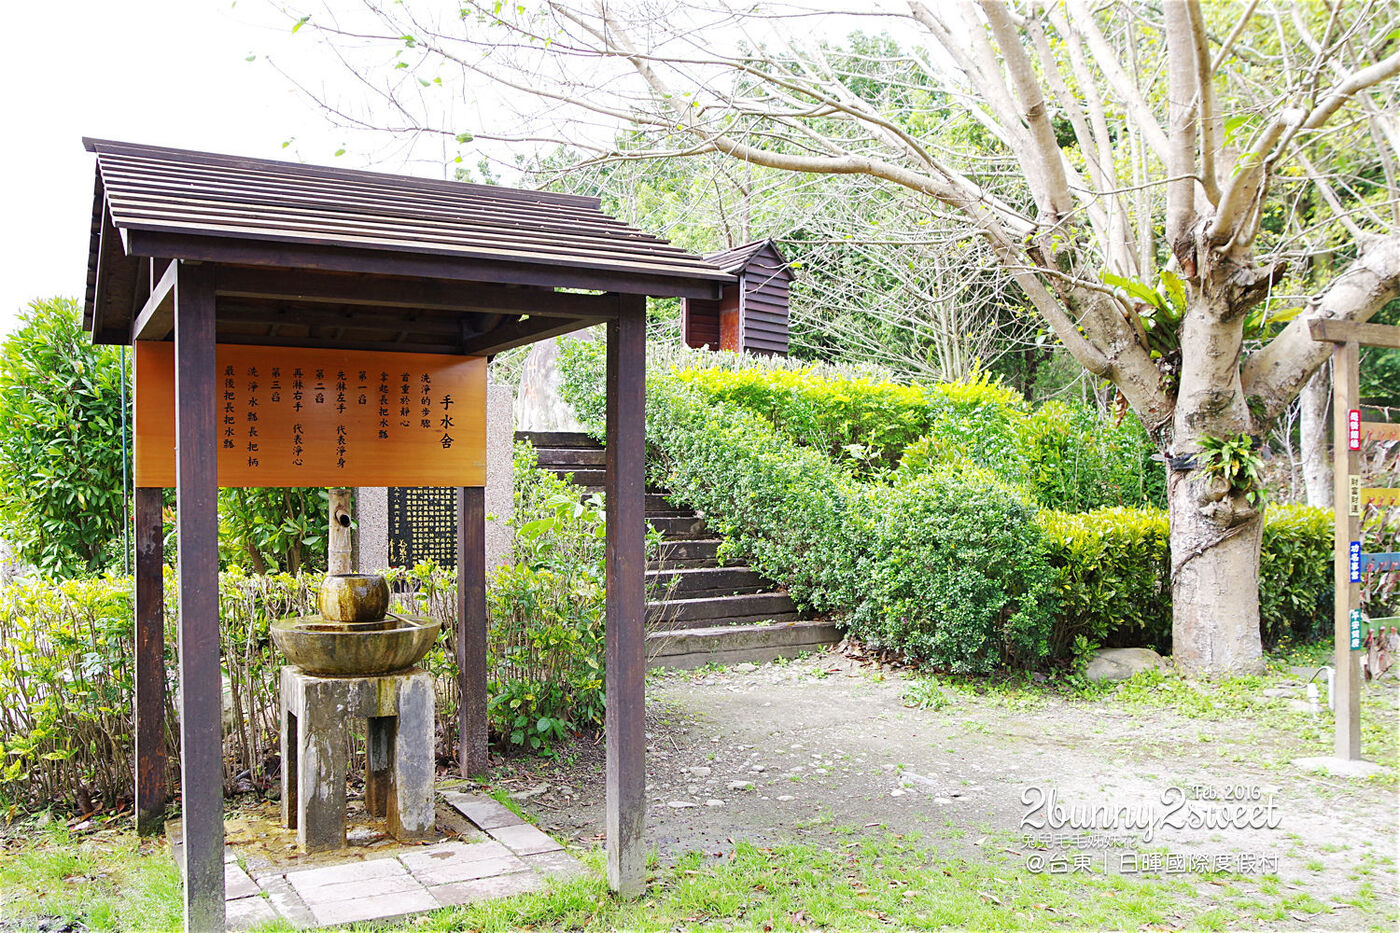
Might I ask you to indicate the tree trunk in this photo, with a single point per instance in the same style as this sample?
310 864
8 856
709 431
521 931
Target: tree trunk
1312 431
1215 531
1215 584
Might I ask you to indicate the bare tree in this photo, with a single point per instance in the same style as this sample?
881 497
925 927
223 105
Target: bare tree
1234 129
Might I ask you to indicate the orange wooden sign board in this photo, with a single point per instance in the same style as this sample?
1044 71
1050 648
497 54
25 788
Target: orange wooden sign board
291 416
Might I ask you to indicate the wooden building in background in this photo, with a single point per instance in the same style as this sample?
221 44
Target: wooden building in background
752 315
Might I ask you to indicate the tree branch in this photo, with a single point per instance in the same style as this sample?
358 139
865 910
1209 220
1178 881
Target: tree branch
1277 373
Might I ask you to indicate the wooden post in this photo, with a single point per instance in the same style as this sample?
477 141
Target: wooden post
471 630
1346 690
340 557
197 490
149 702
626 600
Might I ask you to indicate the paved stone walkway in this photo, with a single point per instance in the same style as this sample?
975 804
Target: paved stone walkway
515 858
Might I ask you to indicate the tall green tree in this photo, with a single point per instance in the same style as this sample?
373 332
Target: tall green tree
61 502
1154 156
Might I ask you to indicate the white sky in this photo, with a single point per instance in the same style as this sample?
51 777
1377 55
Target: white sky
174 73
167 72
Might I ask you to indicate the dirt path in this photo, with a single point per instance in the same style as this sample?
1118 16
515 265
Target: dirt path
827 747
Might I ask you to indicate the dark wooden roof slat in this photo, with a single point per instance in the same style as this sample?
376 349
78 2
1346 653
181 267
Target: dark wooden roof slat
170 180
132 209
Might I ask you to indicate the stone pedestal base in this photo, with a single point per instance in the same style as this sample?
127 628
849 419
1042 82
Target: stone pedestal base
317 713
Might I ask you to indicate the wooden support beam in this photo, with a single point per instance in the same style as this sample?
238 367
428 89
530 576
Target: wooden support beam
471 631
1346 689
197 489
518 333
1369 335
412 294
156 320
149 702
427 263
626 600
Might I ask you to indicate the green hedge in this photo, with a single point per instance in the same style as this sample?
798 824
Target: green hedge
944 559
945 567
1113 567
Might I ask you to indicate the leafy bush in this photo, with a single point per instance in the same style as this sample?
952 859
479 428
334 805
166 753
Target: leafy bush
902 559
1111 575
66 675
267 530
859 418
956 572
60 443
945 567
1295 574
547 613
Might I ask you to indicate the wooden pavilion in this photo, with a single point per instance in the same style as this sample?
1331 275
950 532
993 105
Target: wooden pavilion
203 250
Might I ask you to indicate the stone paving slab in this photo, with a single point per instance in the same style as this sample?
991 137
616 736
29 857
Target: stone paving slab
557 864
248 912
518 858
486 813
524 839
482 889
237 884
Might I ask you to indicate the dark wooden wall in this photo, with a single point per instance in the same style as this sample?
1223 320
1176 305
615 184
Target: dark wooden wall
765 282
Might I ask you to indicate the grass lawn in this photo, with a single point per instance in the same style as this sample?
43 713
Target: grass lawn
114 882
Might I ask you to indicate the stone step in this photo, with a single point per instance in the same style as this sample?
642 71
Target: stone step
584 476
730 644
565 458
688 553
689 582
683 527
721 610
558 439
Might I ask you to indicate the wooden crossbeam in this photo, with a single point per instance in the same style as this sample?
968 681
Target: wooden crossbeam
156 319
1368 335
1380 431
521 332
406 293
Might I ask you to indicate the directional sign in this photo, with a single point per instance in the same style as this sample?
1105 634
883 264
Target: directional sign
1380 430
1379 495
1379 562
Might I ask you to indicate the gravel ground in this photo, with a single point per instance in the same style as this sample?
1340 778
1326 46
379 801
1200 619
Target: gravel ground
827 747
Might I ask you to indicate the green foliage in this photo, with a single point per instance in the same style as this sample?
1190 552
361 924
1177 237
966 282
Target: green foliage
547 613
955 570
1235 460
267 530
869 421
66 674
1295 574
60 443
944 567
1112 570
943 559
1112 576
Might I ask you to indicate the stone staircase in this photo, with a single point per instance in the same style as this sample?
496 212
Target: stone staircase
707 611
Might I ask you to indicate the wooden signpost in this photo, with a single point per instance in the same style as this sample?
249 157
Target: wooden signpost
1351 498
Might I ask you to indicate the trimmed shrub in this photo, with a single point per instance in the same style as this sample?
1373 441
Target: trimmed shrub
1295 574
947 567
1111 577
956 571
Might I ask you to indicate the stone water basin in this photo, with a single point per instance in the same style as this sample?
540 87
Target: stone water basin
355 649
